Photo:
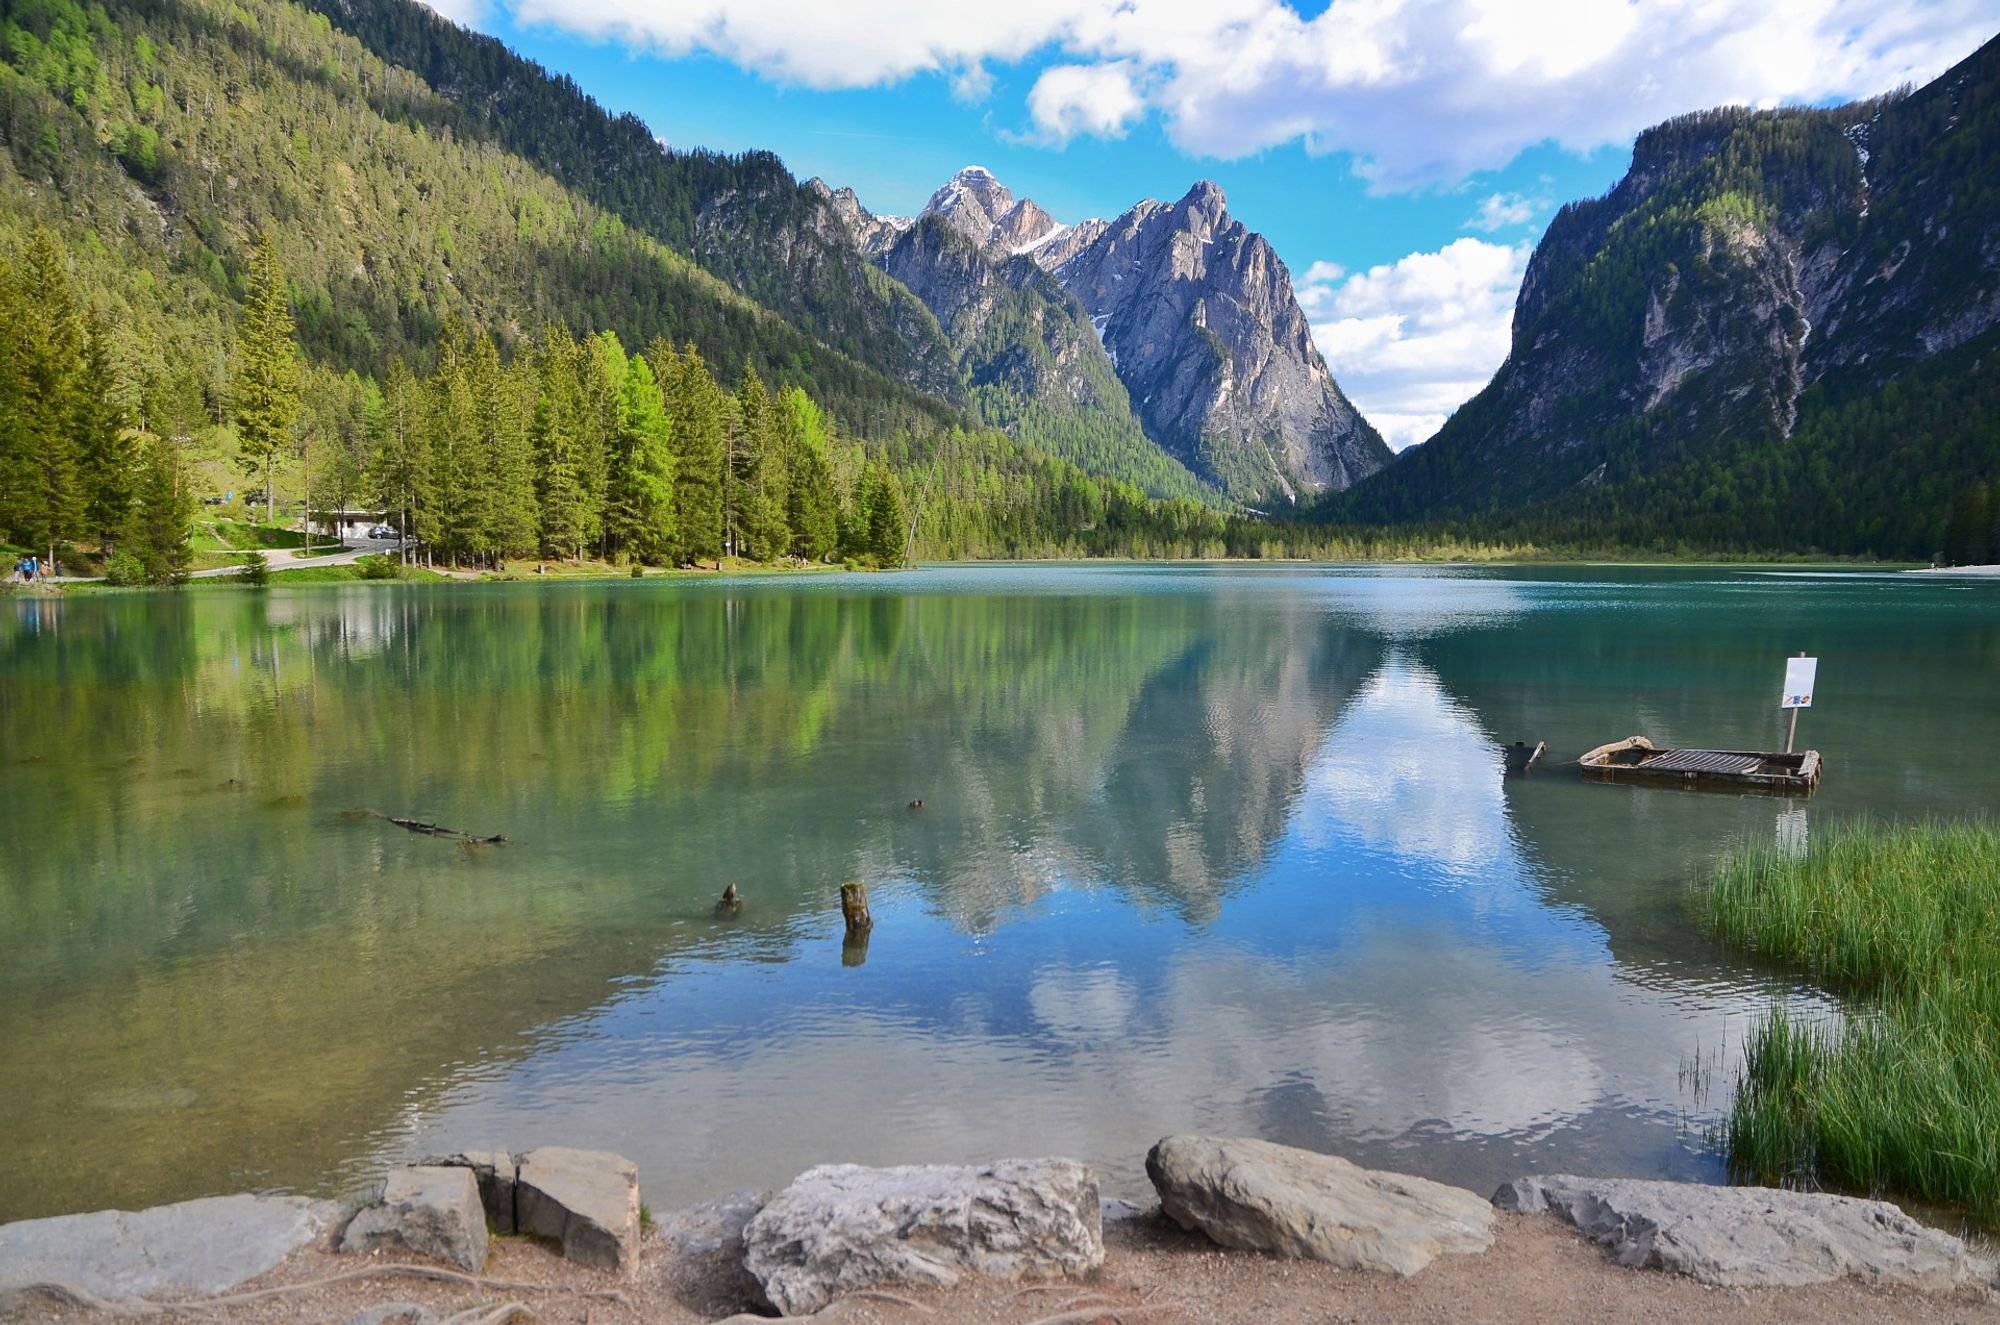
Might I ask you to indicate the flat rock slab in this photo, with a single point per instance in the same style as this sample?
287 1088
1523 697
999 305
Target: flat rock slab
588 1200
1259 1196
842 1227
433 1211
1749 1237
200 1247
494 1170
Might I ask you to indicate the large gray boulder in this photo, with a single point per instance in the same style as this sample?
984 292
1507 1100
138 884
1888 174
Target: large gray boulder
841 1227
1749 1236
494 1170
707 1245
434 1211
587 1200
1259 1196
715 1227
200 1247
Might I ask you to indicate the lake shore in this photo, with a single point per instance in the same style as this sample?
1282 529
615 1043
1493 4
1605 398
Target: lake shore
345 568
1537 1268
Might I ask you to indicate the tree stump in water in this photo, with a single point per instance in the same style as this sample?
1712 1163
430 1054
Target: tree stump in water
854 948
854 908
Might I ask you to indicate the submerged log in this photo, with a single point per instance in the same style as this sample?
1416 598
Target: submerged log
854 908
427 829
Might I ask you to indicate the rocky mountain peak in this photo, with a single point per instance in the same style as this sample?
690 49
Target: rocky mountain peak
1194 313
973 200
1204 205
985 211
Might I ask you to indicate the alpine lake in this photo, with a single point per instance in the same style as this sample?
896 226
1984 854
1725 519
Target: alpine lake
1200 848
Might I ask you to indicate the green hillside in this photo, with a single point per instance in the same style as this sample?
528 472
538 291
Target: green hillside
766 234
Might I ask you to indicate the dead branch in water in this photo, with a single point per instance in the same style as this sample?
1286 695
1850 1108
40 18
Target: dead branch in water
428 829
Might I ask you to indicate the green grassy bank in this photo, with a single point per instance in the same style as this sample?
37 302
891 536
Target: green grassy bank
1904 1098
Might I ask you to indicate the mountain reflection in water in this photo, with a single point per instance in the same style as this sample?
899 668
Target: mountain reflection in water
1199 849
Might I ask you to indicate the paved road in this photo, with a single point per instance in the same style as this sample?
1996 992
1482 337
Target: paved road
281 558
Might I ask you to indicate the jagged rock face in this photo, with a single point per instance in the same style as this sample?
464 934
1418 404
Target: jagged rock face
1030 360
1195 315
966 290
871 234
745 235
1744 257
1200 318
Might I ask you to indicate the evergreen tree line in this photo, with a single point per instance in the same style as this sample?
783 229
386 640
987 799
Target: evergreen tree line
78 460
578 449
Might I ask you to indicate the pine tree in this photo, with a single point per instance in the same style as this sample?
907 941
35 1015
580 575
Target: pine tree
757 487
695 411
451 515
507 411
559 440
162 518
640 518
108 467
888 517
603 384
395 470
42 486
266 385
811 505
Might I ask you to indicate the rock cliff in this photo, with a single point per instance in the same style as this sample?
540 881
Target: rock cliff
1192 314
1695 333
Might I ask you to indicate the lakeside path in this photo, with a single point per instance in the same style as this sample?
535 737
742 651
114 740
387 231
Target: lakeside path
279 559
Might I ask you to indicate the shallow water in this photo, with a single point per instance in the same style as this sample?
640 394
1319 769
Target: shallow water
1225 849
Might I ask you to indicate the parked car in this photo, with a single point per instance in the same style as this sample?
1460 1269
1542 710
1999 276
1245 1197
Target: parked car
381 531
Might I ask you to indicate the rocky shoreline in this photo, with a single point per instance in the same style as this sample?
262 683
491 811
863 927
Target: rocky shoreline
560 1234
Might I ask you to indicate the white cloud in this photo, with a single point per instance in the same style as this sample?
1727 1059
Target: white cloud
1412 340
1420 92
1503 211
1072 99
972 84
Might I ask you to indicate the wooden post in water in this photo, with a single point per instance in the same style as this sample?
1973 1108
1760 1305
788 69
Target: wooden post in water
1792 732
854 908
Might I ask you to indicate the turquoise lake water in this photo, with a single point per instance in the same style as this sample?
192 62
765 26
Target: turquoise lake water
1201 848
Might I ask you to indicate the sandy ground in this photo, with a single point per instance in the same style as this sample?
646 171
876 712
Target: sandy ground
1153 1275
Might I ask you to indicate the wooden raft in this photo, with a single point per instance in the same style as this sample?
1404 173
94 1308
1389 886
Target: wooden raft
1637 759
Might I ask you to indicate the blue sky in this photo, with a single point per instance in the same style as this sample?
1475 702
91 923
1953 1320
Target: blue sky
1402 157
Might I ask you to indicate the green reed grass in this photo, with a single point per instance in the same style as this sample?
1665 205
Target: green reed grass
1905 1097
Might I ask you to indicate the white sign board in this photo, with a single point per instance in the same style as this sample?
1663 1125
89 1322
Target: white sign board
1799 676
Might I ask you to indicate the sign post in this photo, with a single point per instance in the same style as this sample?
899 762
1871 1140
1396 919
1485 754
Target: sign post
1800 673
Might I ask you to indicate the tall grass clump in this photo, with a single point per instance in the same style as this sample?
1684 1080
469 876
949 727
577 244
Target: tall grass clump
1905 1095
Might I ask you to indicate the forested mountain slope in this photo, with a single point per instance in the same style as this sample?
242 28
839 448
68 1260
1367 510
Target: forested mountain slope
1778 331
159 139
147 148
744 218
